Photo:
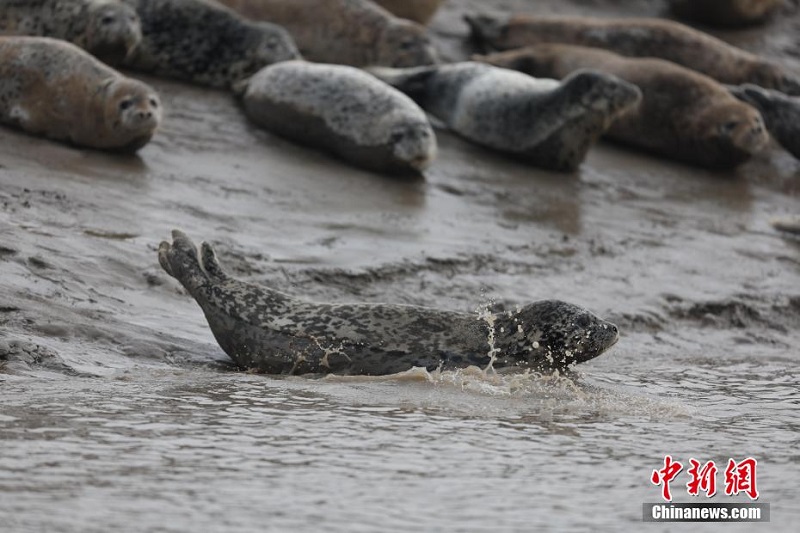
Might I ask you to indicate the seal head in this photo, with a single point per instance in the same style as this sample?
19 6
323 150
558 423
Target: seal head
113 31
551 334
405 44
132 111
733 125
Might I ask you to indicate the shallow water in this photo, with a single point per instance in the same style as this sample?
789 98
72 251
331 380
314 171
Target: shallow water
125 415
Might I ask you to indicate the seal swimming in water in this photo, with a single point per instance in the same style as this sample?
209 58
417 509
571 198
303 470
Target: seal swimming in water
638 37
346 32
683 114
53 88
544 122
781 114
420 11
731 13
262 328
107 29
205 43
342 110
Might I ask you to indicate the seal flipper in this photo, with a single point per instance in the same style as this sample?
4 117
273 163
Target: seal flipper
180 260
211 263
411 81
485 30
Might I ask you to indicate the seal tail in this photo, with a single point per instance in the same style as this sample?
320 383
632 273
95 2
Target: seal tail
181 261
486 30
411 81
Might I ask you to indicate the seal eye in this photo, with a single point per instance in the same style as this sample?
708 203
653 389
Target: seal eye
125 104
106 20
153 102
728 127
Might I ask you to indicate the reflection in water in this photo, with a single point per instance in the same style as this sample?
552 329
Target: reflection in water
179 450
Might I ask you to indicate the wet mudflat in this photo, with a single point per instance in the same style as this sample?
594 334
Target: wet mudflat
126 415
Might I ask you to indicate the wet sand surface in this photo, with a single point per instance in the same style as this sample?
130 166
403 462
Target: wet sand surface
118 411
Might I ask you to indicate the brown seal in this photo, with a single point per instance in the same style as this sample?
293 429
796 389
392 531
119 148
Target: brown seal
727 13
683 114
781 114
108 29
53 88
421 11
347 32
638 37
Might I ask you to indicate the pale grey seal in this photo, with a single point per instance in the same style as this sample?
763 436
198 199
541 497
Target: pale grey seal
638 37
264 329
683 115
107 29
202 42
344 111
547 123
53 88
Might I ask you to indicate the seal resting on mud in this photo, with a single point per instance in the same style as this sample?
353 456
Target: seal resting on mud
273 332
53 88
781 114
345 32
544 122
107 29
638 37
731 13
421 11
344 111
202 42
683 114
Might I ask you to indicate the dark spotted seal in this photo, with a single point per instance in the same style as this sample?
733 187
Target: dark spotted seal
547 123
202 42
781 114
344 111
276 333
345 32
683 115
53 88
638 37
732 13
107 29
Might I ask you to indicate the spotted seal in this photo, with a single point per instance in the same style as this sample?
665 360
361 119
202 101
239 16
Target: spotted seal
107 29
728 13
53 88
420 11
683 115
342 110
262 328
781 114
202 42
638 37
345 32
544 122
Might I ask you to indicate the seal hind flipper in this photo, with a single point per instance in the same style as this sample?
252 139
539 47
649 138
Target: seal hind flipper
211 263
485 29
411 81
181 261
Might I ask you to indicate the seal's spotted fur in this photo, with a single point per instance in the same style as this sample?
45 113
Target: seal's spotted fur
265 329
547 123
205 43
108 29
